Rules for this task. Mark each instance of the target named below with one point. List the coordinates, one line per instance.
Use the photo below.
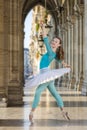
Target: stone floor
(47, 115)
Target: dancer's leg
(37, 95)
(36, 100)
(55, 94)
(58, 98)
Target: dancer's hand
(66, 65)
(44, 32)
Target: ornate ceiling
(52, 5)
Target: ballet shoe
(65, 115)
(31, 118)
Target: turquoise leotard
(47, 57)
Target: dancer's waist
(44, 70)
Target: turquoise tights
(53, 91)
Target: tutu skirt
(45, 75)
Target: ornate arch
(50, 5)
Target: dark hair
(59, 51)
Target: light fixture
(40, 38)
(40, 44)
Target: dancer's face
(55, 43)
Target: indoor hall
(64, 18)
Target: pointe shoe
(65, 115)
(31, 118)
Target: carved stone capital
(73, 19)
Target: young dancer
(46, 77)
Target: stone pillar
(71, 83)
(75, 54)
(80, 53)
(73, 77)
(3, 53)
(68, 46)
(15, 85)
(84, 86)
(67, 54)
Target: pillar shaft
(15, 85)
(84, 87)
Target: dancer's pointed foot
(65, 115)
(31, 118)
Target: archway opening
(27, 40)
(33, 43)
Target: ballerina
(45, 79)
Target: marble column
(4, 29)
(15, 85)
(84, 86)
(66, 47)
(71, 83)
(80, 53)
(74, 53)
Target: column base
(3, 102)
(15, 93)
(15, 103)
(81, 83)
(73, 82)
(84, 88)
